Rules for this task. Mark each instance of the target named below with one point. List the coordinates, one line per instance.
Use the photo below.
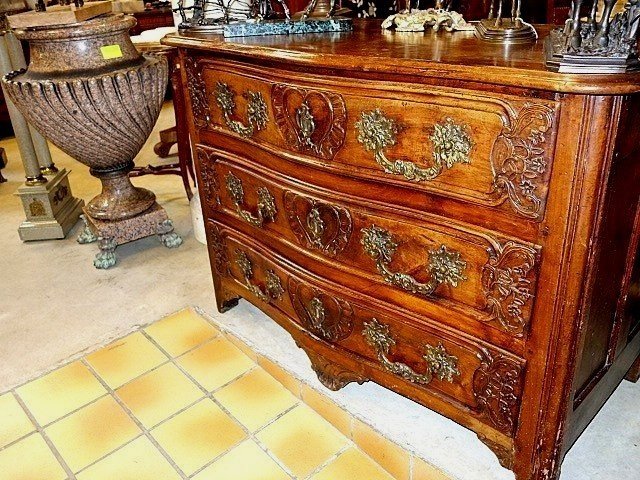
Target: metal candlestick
(500, 29)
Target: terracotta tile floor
(175, 400)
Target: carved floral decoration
(497, 386)
(518, 160)
(197, 92)
(208, 178)
(508, 281)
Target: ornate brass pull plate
(451, 144)
(444, 266)
(439, 363)
(273, 285)
(266, 203)
(256, 110)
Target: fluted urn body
(90, 92)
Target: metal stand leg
(106, 257)
(168, 237)
(86, 235)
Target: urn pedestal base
(50, 208)
(110, 234)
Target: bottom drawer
(401, 353)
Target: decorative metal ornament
(609, 45)
(323, 314)
(318, 225)
(439, 363)
(452, 144)
(445, 267)
(256, 110)
(498, 28)
(266, 203)
(273, 286)
(415, 20)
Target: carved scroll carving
(310, 121)
(332, 376)
(508, 282)
(197, 92)
(217, 249)
(518, 160)
(497, 386)
(209, 180)
(318, 225)
(324, 315)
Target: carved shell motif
(318, 225)
(310, 121)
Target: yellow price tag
(111, 51)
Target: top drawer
(495, 151)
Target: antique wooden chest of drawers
(437, 215)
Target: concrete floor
(54, 305)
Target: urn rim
(103, 24)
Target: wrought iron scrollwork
(445, 267)
(266, 203)
(451, 144)
(256, 110)
(439, 363)
(273, 286)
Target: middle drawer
(424, 264)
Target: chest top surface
(368, 50)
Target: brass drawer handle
(451, 144)
(439, 363)
(273, 285)
(266, 203)
(444, 266)
(256, 110)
